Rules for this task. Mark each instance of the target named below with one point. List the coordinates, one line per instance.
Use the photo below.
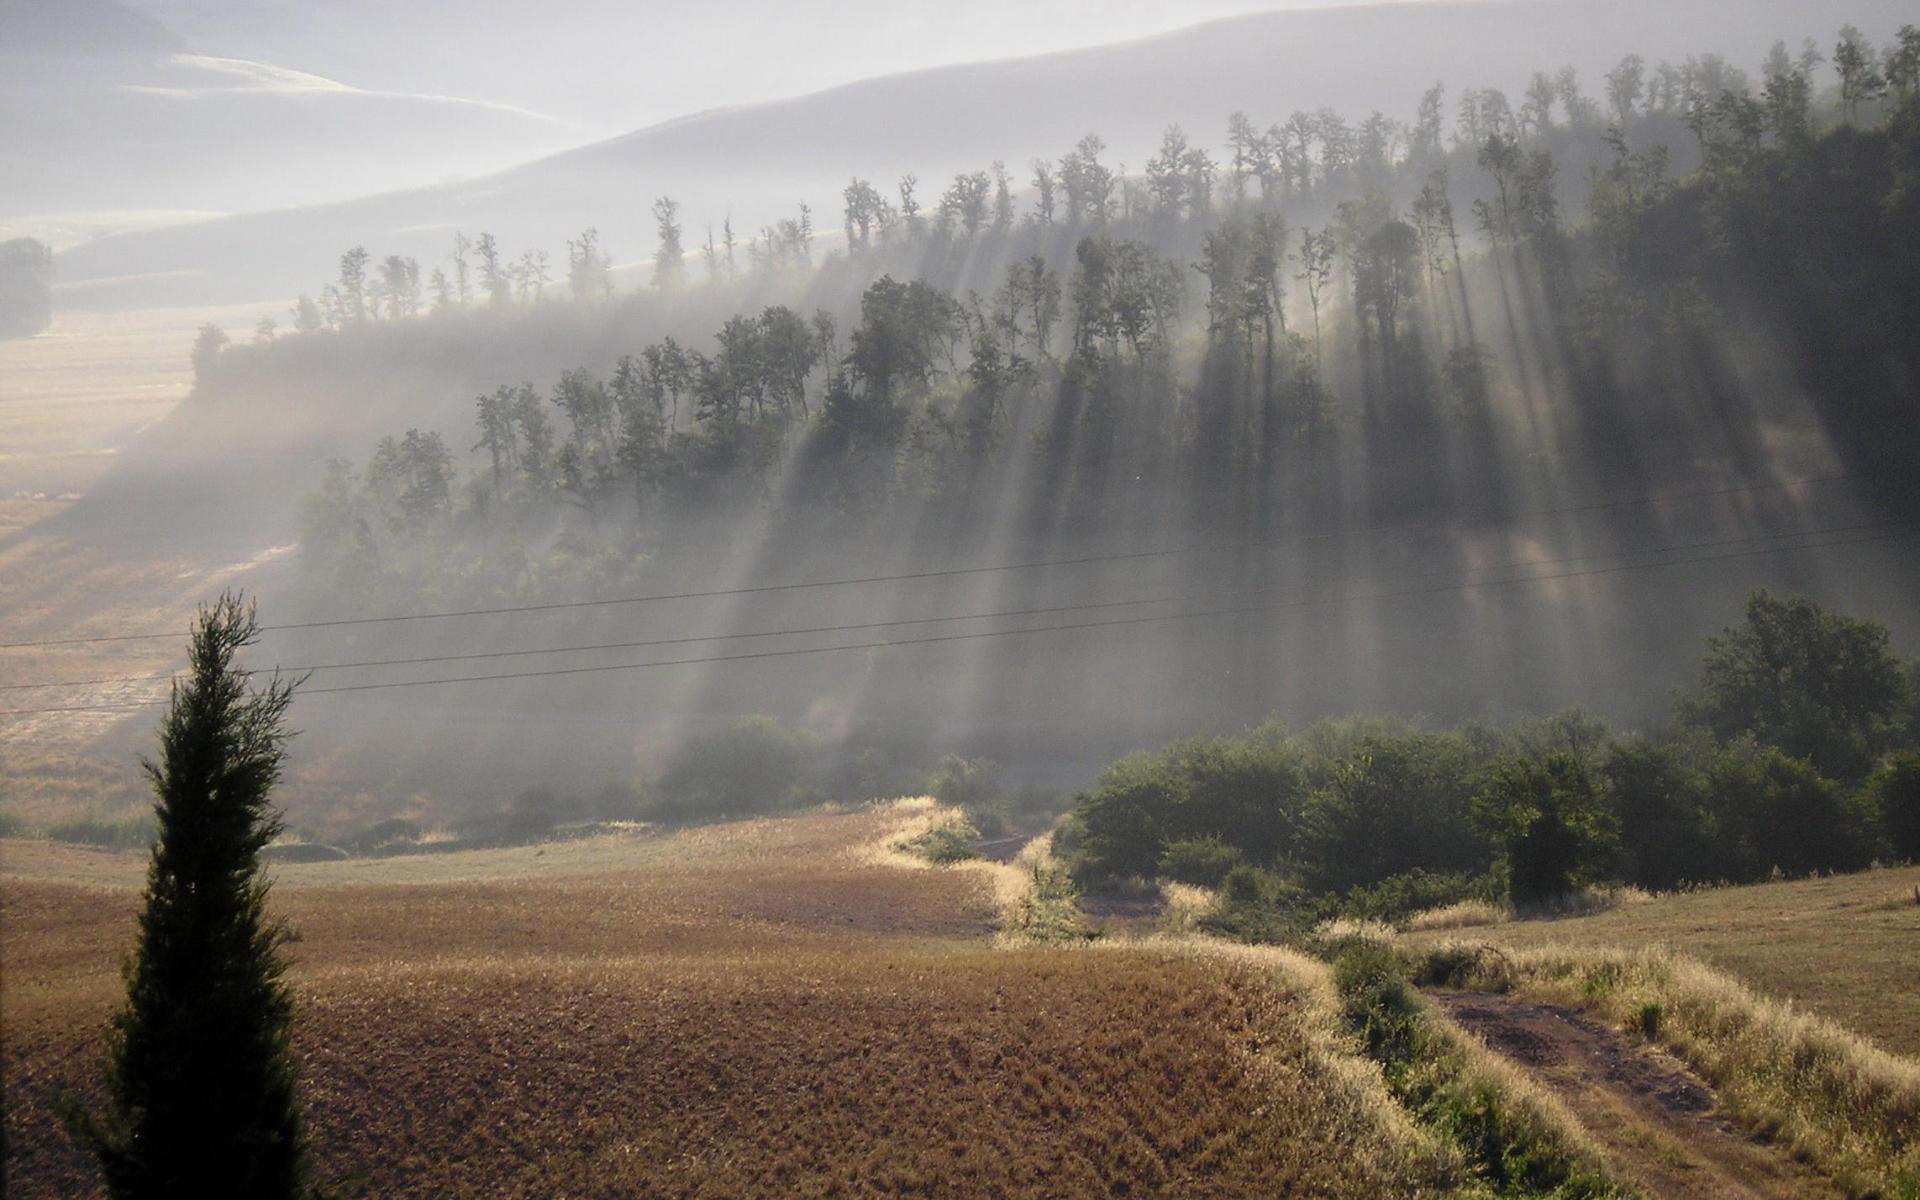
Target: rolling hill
(757, 162)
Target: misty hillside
(107, 109)
(757, 162)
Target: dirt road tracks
(1657, 1121)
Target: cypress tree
(200, 1073)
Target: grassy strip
(1828, 1095)
(1515, 1139)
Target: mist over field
(1284, 482)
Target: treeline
(1236, 377)
(1796, 752)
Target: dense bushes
(1374, 819)
(753, 766)
(1895, 794)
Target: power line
(993, 633)
(952, 572)
(421, 660)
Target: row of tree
(1798, 751)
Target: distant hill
(757, 162)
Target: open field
(754, 1009)
(1841, 947)
(70, 400)
(71, 397)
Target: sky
(603, 67)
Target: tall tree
(493, 277)
(201, 1080)
(669, 260)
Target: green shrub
(131, 833)
(1894, 792)
(1243, 885)
(383, 835)
(954, 842)
(969, 785)
(1203, 862)
(1392, 805)
(1781, 813)
(1549, 819)
(11, 826)
(1399, 896)
(752, 766)
(620, 801)
(1667, 832)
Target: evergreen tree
(200, 1074)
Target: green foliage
(752, 766)
(1399, 896)
(1549, 819)
(1895, 793)
(1243, 885)
(1393, 804)
(969, 784)
(1510, 1147)
(200, 1076)
(956, 841)
(383, 836)
(1668, 834)
(1780, 813)
(1818, 685)
(11, 826)
(1204, 862)
(1244, 792)
(131, 833)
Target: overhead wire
(954, 572)
(601, 668)
(1047, 610)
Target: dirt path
(1657, 1121)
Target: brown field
(70, 399)
(746, 1010)
(1843, 947)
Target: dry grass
(1344, 928)
(1834, 947)
(1828, 1094)
(1467, 914)
(750, 1010)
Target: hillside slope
(756, 162)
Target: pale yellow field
(70, 398)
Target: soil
(1659, 1124)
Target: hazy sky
(606, 66)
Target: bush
(969, 785)
(621, 801)
(132, 833)
(1667, 833)
(1203, 862)
(1549, 819)
(383, 835)
(1243, 885)
(1781, 813)
(1243, 792)
(1400, 896)
(1393, 804)
(11, 826)
(950, 843)
(752, 766)
(1894, 792)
